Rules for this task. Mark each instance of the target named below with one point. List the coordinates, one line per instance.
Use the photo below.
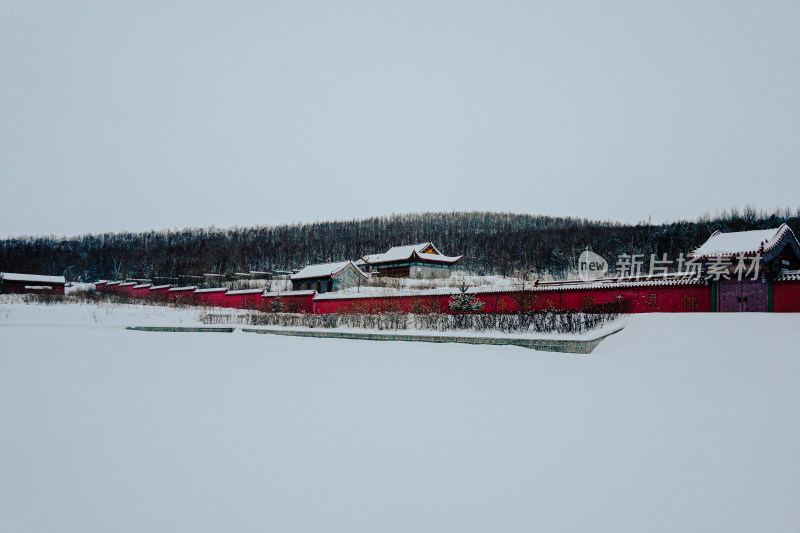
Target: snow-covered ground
(13, 311)
(678, 423)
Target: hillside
(492, 243)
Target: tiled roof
(324, 270)
(33, 278)
(405, 253)
(742, 242)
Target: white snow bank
(118, 315)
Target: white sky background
(250, 113)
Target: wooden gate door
(742, 296)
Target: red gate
(742, 295)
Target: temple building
(328, 277)
(419, 261)
(743, 266)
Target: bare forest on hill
(492, 243)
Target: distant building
(419, 261)
(762, 256)
(11, 283)
(327, 277)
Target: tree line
(492, 243)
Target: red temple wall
(786, 297)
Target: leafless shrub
(383, 321)
(536, 322)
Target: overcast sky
(187, 114)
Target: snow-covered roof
(113, 283)
(142, 286)
(212, 289)
(159, 287)
(179, 289)
(35, 278)
(370, 258)
(288, 293)
(743, 242)
(245, 291)
(788, 275)
(425, 251)
(324, 270)
(127, 283)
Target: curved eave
(784, 236)
(415, 257)
(436, 259)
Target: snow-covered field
(91, 315)
(678, 423)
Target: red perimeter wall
(18, 287)
(112, 288)
(211, 299)
(183, 297)
(141, 292)
(243, 301)
(786, 297)
(159, 294)
(665, 299)
(302, 303)
(384, 304)
(127, 290)
(669, 299)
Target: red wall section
(142, 292)
(244, 301)
(159, 294)
(111, 287)
(668, 299)
(665, 299)
(303, 303)
(183, 297)
(786, 297)
(211, 299)
(127, 290)
(384, 304)
(18, 287)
